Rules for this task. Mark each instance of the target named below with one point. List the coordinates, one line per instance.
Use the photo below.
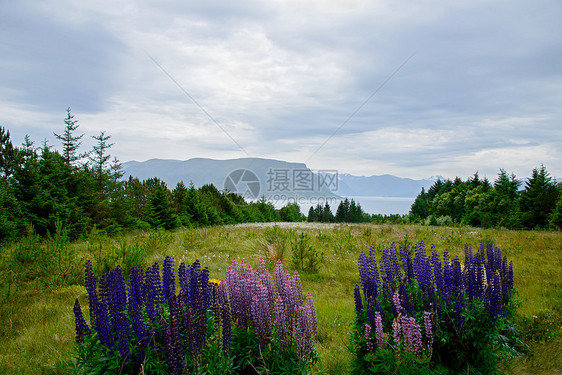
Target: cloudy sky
(413, 89)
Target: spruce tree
(70, 142)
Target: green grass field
(40, 281)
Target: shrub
(433, 315)
(249, 322)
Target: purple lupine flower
(422, 272)
(495, 297)
(438, 273)
(368, 274)
(405, 299)
(396, 329)
(151, 291)
(370, 346)
(82, 328)
(381, 337)
(267, 280)
(168, 279)
(412, 336)
(406, 257)
(358, 300)
(391, 269)
(102, 321)
(90, 283)
(134, 306)
(428, 331)
(297, 287)
(304, 331)
(457, 284)
(396, 303)
(448, 277)
(174, 351)
(118, 298)
(312, 315)
(280, 323)
(261, 316)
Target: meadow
(40, 279)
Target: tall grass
(37, 295)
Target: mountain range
(257, 177)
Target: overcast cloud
(480, 87)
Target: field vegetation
(42, 277)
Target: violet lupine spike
(405, 299)
(267, 280)
(396, 307)
(358, 300)
(280, 280)
(91, 287)
(495, 297)
(151, 296)
(304, 331)
(448, 278)
(412, 336)
(134, 305)
(280, 323)
(313, 317)
(396, 330)
(82, 328)
(379, 333)
(296, 280)
(261, 316)
(428, 331)
(118, 298)
(457, 276)
(168, 278)
(438, 279)
(422, 272)
(102, 321)
(370, 346)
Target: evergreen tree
(100, 159)
(420, 208)
(327, 216)
(8, 154)
(342, 211)
(556, 215)
(538, 199)
(70, 142)
(160, 213)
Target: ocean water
(370, 205)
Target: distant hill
(270, 178)
(381, 186)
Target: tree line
(41, 188)
(505, 203)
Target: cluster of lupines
(260, 301)
(147, 312)
(145, 317)
(403, 295)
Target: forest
(476, 202)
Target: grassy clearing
(37, 293)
